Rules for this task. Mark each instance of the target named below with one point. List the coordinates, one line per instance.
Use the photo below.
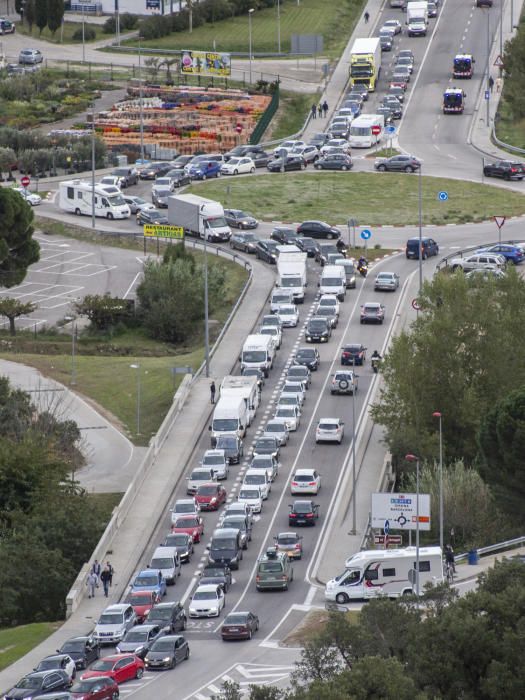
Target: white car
(287, 146)
(238, 166)
(288, 400)
(207, 601)
(278, 429)
(344, 381)
(480, 260)
(288, 315)
(267, 462)
(274, 331)
(280, 296)
(31, 197)
(58, 661)
(259, 478)
(392, 24)
(330, 430)
(200, 475)
(163, 183)
(329, 300)
(113, 624)
(111, 180)
(386, 281)
(137, 204)
(251, 496)
(184, 506)
(237, 508)
(335, 143)
(291, 415)
(305, 481)
(294, 389)
(218, 462)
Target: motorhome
(367, 130)
(245, 388)
(76, 196)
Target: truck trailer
(365, 62)
(198, 216)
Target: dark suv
(318, 229)
(318, 330)
(128, 176)
(170, 615)
(428, 247)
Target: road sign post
(352, 223)
(499, 221)
(25, 181)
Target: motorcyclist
(363, 262)
(376, 356)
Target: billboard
(397, 511)
(205, 63)
(163, 231)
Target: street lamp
(206, 329)
(250, 13)
(413, 458)
(488, 69)
(83, 37)
(420, 212)
(137, 367)
(437, 414)
(93, 166)
(141, 105)
(279, 26)
(354, 499)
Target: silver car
(30, 57)
(278, 429)
(139, 639)
(386, 281)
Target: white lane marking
(128, 290)
(311, 593)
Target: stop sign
(376, 129)
(25, 181)
(238, 128)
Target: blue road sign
(443, 196)
(386, 527)
(487, 94)
(366, 234)
(390, 129)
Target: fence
(266, 117)
(506, 146)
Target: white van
(167, 560)
(230, 417)
(385, 572)
(258, 477)
(245, 388)
(366, 130)
(258, 351)
(76, 196)
(333, 281)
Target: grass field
(334, 20)
(509, 130)
(371, 198)
(17, 641)
(291, 115)
(65, 37)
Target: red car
(99, 688)
(399, 82)
(210, 496)
(191, 525)
(142, 602)
(119, 667)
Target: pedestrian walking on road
(491, 83)
(367, 17)
(320, 110)
(313, 110)
(96, 569)
(212, 392)
(91, 583)
(325, 108)
(498, 84)
(111, 572)
(104, 577)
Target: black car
(128, 176)
(318, 229)
(242, 151)
(221, 572)
(336, 161)
(309, 357)
(237, 218)
(150, 172)
(361, 89)
(303, 513)
(318, 330)
(232, 446)
(386, 43)
(307, 245)
(151, 216)
(247, 242)
(267, 250)
(182, 542)
(181, 161)
(393, 105)
(284, 235)
(323, 251)
(40, 682)
(319, 139)
(291, 162)
(328, 313)
(299, 373)
(171, 615)
(167, 652)
(179, 177)
(353, 354)
(506, 169)
(398, 92)
(386, 112)
(267, 446)
(83, 650)
(260, 158)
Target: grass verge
(508, 129)
(312, 624)
(64, 36)
(291, 115)
(372, 198)
(17, 641)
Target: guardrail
(506, 146)
(467, 251)
(491, 548)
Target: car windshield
(302, 507)
(205, 595)
(110, 619)
(228, 443)
(162, 563)
(184, 507)
(286, 412)
(186, 523)
(325, 311)
(262, 461)
(46, 664)
(263, 443)
(165, 645)
(70, 647)
(160, 614)
(29, 682)
(299, 371)
(213, 571)
(213, 459)
(223, 543)
(254, 356)
(274, 428)
(146, 581)
(249, 494)
(136, 635)
(254, 479)
(217, 222)
(206, 490)
(317, 325)
(353, 348)
(236, 619)
(144, 599)
(236, 522)
(102, 665)
(384, 276)
(225, 424)
(83, 686)
(288, 401)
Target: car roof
(304, 470)
(163, 606)
(209, 587)
(329, 420)
(118, 607)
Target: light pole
(420, 216)
(501, 28)
(354, 499)
(279, 26)
(141, 105)
(413, 458)
(117, 21)
(206, 330)
(137, 367)
(437, 414)
(488, 68)
(93, 166)
(250, 13)
(73, 355)
(83, 37)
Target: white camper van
(385, 572)
(366, 130)
(245, 388)
(76, 196)
(230, 417)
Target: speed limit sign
(415, 305)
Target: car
(299, 373)
(207, 601)
(307, 245)
(401, 73)
(260, 158)
(238, 166)
(267, 461)
(211, 496)
(305, 481)
(7, 27)
(514, 253)
(327, 312)
(318, 330)
(405, 61)
(417, 28)
(323, 251)
(295, 389)
(287, 146)
(232, 446)
(309, 357)
(199, 475)
(386, 281)
(167, 652)
(151, 216)
(344, 381)
(432, 9)
(479, 260)
(318, 229)
(204, 169)
(190, 524)
(274, 570)
(136, 204)
(243, 150)
(424, 246)
(330, 430)
(60, 661)
(154, 170)
(353, 354)
(239, 625)
(112, 181)
(284, 235)
(271, 321)
(98, 688)
(182, 542)
(405, 53)
(113, 623)
(288, 315)
(149, 580)
(30, 57)
(31, 198)
(393, 105)
(179, 177)
(280, 296)
(40, 683)
(336, 161)
(127, 176)
(386, 42)
(138, 640)
(160, 197)
(235, 522)
(254, 372)
(372, 312)
(290, 543)
(319, 139)
(484, 3)
(142, 602)
(486, 273)
(237, 218)
(252, 497)
(277, 429)
(398, 163)
(341, 144)
(220, 573)
(119, 667)
(387, 113)
(184, 506)
(303, 513)
(217, 461)
(394, 24)
(331, 301)
(83, 650)
(361, 89)
(268, 445)
(246, 242)
(291, 162)
(506, 169)
(266, 250)
(170, 617)
(309, 153)
(181, 161)
(290, 415)
(275, 331)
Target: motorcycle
(375, 364)
(363, 270)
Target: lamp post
(437, 414)
(413, 458)
(488, 68)
(206, 329)
(279, 26)
(141, 105)
(137, 367)
(83, 37)
(117, 21)
(420, 216)
(354, 499)
(250, 13)
(93, 166)
(74, 338)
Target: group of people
(99, 573)
(321, 109)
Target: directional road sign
(163, 231)
(487, 94)
(400, 509)
(390, 129)
(366, 234)
(442, 196)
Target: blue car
(510, 252)
(150, 580)
(204, 169)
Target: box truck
(230, 417)
(365, 62)
(417, 18)
(244, 387)
(76, 196)
(291, 267)
(198, 217)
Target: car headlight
(166, 659)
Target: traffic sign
(386, 527)
(366, 234)
(415, 305)
(376, 129)
(182, 370)
(390, 129)
(239, 128)
(25, 181)
(163, 231)
(499, 220)
(487, 94)
(442, 196)
(499, 61)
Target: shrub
(89, 34)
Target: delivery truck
(199, 217)
(230, 417)
(291, 267)
(417, 18)
(365, 62)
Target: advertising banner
(163, 231)
(205, 63)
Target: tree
(7, 160)
(502, 445)
(18, 250)
(40, 14)
(13, 309)
(29, 13)
(55, 14)
(103, 310)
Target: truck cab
(453, 101)
(463, 66)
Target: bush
(110, 26)
(89, 34)
(128, 21)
